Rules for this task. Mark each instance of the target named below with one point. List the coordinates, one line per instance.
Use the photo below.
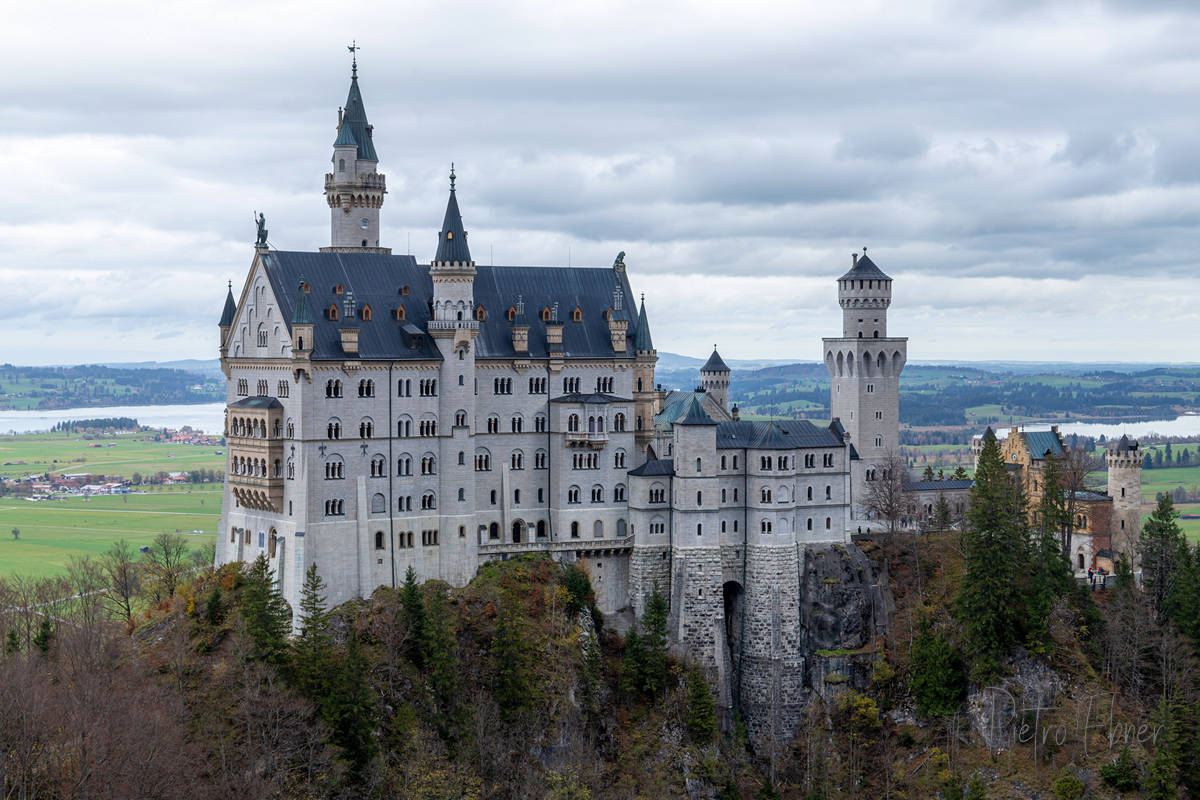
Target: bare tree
(166, 561)
(124, 579)
(1076, 466)
(885, 492)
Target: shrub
(1121, 774)
(1067, 787)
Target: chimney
(520, 330)
(853, 260)
(554, 331)
(733, 412)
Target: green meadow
(51, 531)
(35, 454)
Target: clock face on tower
(364, 223)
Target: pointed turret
(354, 190)
(642, 341)
(452, 239)
(696, 415)
(714, 378)
(227, 316)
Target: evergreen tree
(1162, 544)
(44, 635)
(960, 474)
(941, 514)
(1162, 774)
(654, 644)
(989, 602)
(1048, 573)
(976, 790)
(212, 608)
(349, 709)
(1121, 774)
(631, 667)
(935, 673)
(12, 644)
(439, 651)
(927, 475)
(265, 612)
(701, 708)
(312, 651)
(512, 658)
(412, 611)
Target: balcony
(257, 492)
(594, 440)
(453, 325)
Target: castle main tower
(1124, 462)
(864, 369)
(354, 190)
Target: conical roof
(641, 341)
(452, 239)
(714, 363)
(354, 128)
(864, 269)
(230, 309)
(696, 415)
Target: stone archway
(518, 529)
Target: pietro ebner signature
(1027, 723)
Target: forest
(94, 385)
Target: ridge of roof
(696, 415)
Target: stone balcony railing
(369, 181)
(560, 546)
(594, 440)
(453, 325)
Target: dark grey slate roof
(230, 309)
(642, 340)
(864, 269)
(257, 402)
(354, 122)
(696, 415)
(596, 397)
(376, 280)
(989, 433)
(934, 486)
(775, 435)
(1126, 445)
(714, 363)
(655, 467)
(452, 239)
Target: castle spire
(452, 239)
(354, 189)
(641, 340)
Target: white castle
(385, 414)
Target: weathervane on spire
(353, 48)
(452, 176)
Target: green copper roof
(230, 309)
(355, 125)
(303, 314)
(452, 239)
(345, 137)
(641, 341)
(696, 415)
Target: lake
(1186, 425)
(207, 417)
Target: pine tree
(212, 608)
(312, 651)
(976, 790)
(989, 602)
(927, 475)
(941, 514)
(701, 708)
(265, 613)
(935, 673)
(1121, 774)
(12, 644)
(512, 658)
(349, 709)
(44, 635)
(412, 611)
(1048, 572)
(654, 644)
(1162, 774)
(439, 651)
(632, 665)
(1162, 543)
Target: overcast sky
(1028, 173)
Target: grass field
(133, 452)
(54, 530)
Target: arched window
(494, 531)
(573, 423)
(574, 530)
(378, 540)
(598, 529)
(481, 313)
(341, 165)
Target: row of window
(766, 495)
(426, 387)
(765, 526)
(262, 388)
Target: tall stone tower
(864, 369)
(647, 401)
(714, 378)
(354, 190)
(1124, 462)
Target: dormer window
(306, 287)
(364, 313)
(577, 314)
(546, 314)
(449, 235)
(332, 312)
(404, 291)
(480, 313)
(339, 289)
(399, 314)
(512, 313)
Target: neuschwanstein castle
(385, 413)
